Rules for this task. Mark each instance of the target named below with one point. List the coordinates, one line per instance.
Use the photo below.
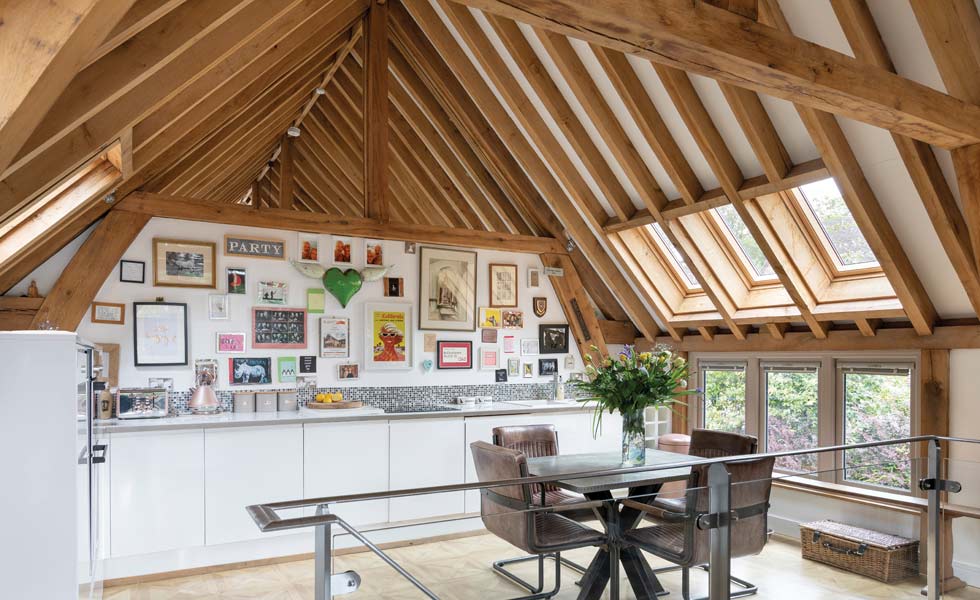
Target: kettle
(203, 399)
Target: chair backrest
(499, 508)
(751, 487)
(707, 443)
(532, 440)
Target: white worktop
(306, 415)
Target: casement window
(835, 226)
(792, 402)
(739, 240)
(675, 258)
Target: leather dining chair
(676, 537)
(535, 441)
(509, 513)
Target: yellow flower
(645, 356)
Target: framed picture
(307, 365)
(182, 263)
(503, 285)
(249, 371)
(229, 343)
(273, 292)
(454, 355)
(334, 337)
(316, 300)
(489, 358)
(159, 334)
(348, 372)
(547, 367)
(206, 372)
(166, 383)
(514, 367)
(533, 277)
(218, 307)
(374, 253)
(447, 289)
(236, 245)
(553, 339)
(491, 318)
(394, 287)
(278, 328)
(236, 280)
(132, 271)
(387, 335)
(308, 247)
(529, 347)
(510, 344)
(527, 370)
(500, 376)
(109, 313)
(410, 247)
(488, 336)
(569, 362)
(340, 247)
(512, 319)
(287, 369)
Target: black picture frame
(553, 338)
(142, 265)
(137, 309)
(500, 376)
(547, 367)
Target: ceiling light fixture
(320, 91)
(293, 132)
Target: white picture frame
(489, 358)
(219, 308)
(388, 336)
(308, 248)
(334, 337)
(530, 347)
(275, 293)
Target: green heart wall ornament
(342, 284)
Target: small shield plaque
(540, 306)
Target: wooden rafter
(33, 79)
(951, 228)
(714, 42)
(578, 311)
(861, 200)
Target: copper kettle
(203, 399)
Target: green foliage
(634, 381)
(724, 400)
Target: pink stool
(681, 444)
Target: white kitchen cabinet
(423, 453)
(157, 491)
(248, 465)
(348, 458)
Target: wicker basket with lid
(885, 557)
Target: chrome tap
(558, 390)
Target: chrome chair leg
(537, 592)
(748, 589)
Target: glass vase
(634, 438)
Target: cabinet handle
(100, 449)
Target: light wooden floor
(459, 570)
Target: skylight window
(751, 252)
(676, 257)
(837, 224)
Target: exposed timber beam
(716, 43)
(904, 338)
(190, 209)
(753, 187)
(862, 34)
(66, 304)
(836, 151)
(42, 47)
(578, 310)
(376, 112)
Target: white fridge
(54, 481)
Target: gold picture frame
(503, 286)
(184, 263)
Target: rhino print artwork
(246, 371)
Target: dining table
(642, 486)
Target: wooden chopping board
(334, 405)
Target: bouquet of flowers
(630, 383)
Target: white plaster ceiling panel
(724, 119)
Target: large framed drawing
(447, 289)
(387, 336)
(159, 334)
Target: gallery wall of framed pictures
(201, 291)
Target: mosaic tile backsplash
(391, 399)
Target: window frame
(728, 242)
(659, 241)
(721, 365)
(810, 223)
(785, 366)
(830, 403)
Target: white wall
(202, 331)
(964, 459)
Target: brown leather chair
(535, 441)
(508, 513)
(676, 537)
